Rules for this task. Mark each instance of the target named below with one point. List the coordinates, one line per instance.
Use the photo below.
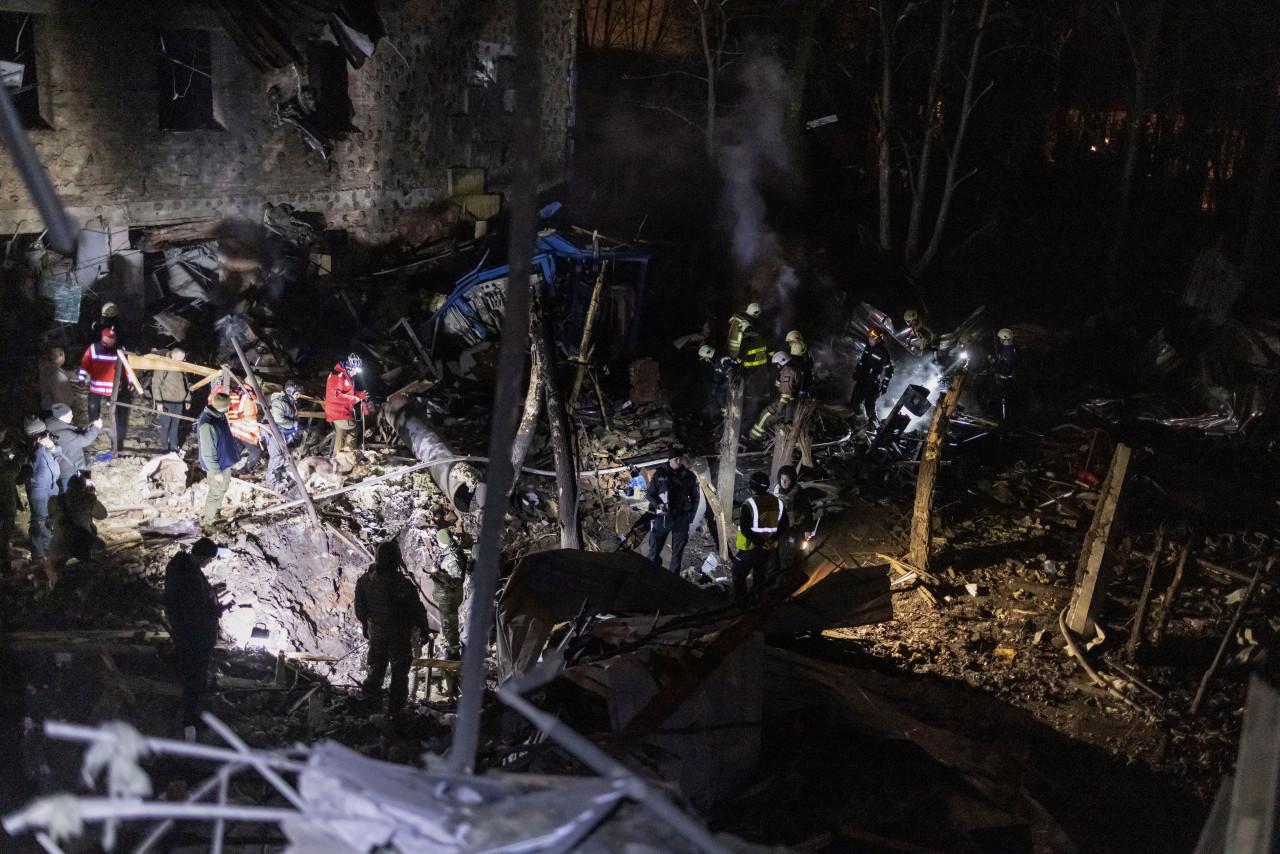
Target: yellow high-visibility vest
(763, 520)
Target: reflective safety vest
(98, 369)
(242, 416)
(742, 333)
(763, 521)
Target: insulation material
(192, 269)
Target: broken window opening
(184, 81)
(18, 67)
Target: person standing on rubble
(284, 409)
(673, 498)
(762, 522)
(723, 372)
(449, 581)
(192, 609)
(219, 453)
(798, 510)
(242, 417)
(98, 370)
(871, 375)
(10, 471)
(389, 609)
(42, 485)
(1003, 364)
(789, 384)
(71, 516)
(746, 344)
(55, 383)
(171, 391)
(344, 406)
(801, 358)
(71, 440)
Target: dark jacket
(218, 448)
(191, 606)
(45, 472)
(388, 606)
(681, 488)
(71, 441)
(284, 410)
(874, 363)
(799, 510)
(790, 382)
(71, 516)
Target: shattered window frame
(184, 80)
(19, 44)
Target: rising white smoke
(752, 152)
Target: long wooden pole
(532, 406)
(1170, 596)
(1231, 632)
(1091, 580)
(279, 436)
(726, 478)
(566, 477)
(922, 514)
(1135, 636)
(587, 328)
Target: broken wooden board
(1091, 581)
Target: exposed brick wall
(417, 107)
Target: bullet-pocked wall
(435, 94)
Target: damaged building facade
(374, 127)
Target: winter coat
(873, 364)
(789, 382)
(676, 488)
(191, 606)
(72, 442)
(284, 410)
(388, 606)
(71, 517)
(98, 368)
(45, 472)
(55, 386)
(218, 448)
(170, 387)
(340, 395)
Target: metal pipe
(63, 232)
(459, 481)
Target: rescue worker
(55, 383)
(71, 440)
(746, 344)
(762, 521)
(789, 390)
(219, 453)
(42, 485)
(723, 372)
(277, 476)
(284, 409)
(344, 406)
(1003, 363)
(171, 391)
(242, 417)
(449, 581)
(801, 358)
(798, 510)
(871, 375)
(10, 470)
(917, 336)
(71, 516)
(389, 609)
(98, 370)
(673, 497)
(193, 611)
(108, 318)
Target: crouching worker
(71, 516)
(389, 609)
(762, 522)
(193, 611)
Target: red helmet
(109, 336)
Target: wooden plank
(1170, 596)
(1091, 581)
(922, 514)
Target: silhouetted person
(193, 611)
(389, 609)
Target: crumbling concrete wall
(436, 94)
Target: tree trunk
(566, 476)
(1262, 183)
(726, 478)
(584, 349)
(950, 182)
(798, 73)
(1137, 121)
(532, 406)
(921, 188)
(922, 516)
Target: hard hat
(760, 481)
(780, 358)
(1005, 336)
(910, 316)
(799, 348)
(706, 351)
(110, 310)
(354, 363)
(291, 388)
(436, 302)
(443, 538)
(794, 337)
(753, 310)
(109, 336)
(873, 334)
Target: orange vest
(243, 416)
